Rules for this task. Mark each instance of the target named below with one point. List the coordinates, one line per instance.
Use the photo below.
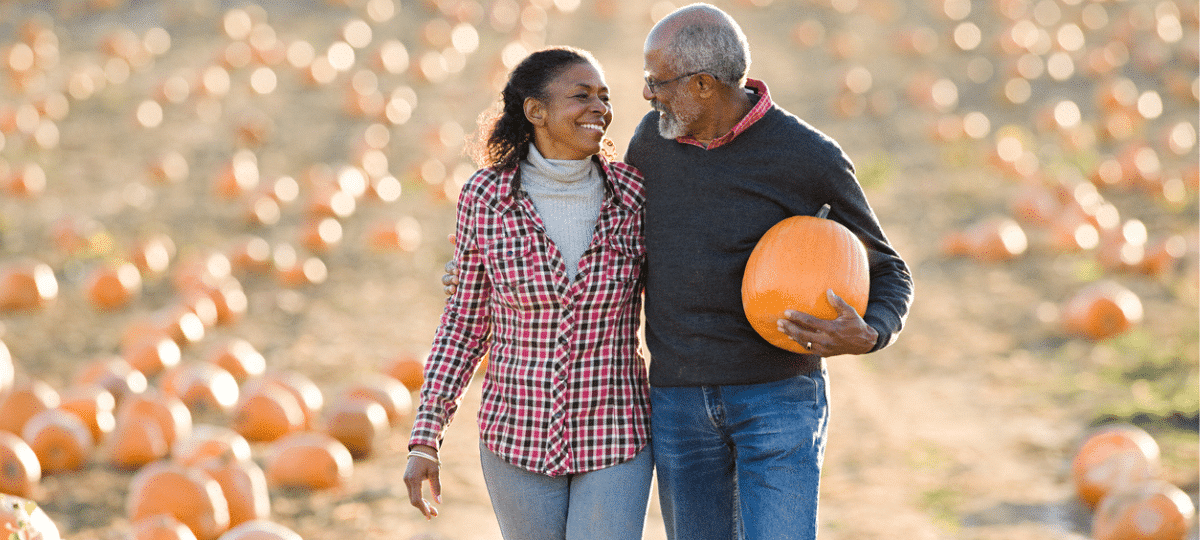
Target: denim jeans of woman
(741, 462)
(605, 504)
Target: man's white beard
(673, 125)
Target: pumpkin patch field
(223, 225)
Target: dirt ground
(962, 429)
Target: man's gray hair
(719, 50)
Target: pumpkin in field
(244, 485)
(357, 422)
(407, 369)
(160, 527)
(1101, 310)
(20, 470)
(1113, 456)
(61, 441)
(1153, 510)
(391, 394)
(792, 267)
(308, 460)
(267, 412)
(27, 285)
(209, 441)
(94, 405)
(173, 417)
(240, 358)
(260, 529)
(135, 442)
(188, 494)
(23, 401)
(23, 517)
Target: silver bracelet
(420, 454)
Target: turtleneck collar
(567, 171)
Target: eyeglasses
(654, 85)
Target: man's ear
(535, 112)
(706, 85)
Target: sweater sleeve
(891, 288)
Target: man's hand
(416, 473)
(450, 278)
(846, 334)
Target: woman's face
(570, 122)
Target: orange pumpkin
(260, 529)
(189, 495)
(135, 442)
(358, 423)
(160, 527)
(308, 460)
(169, 412)
(151, 356)
(407, 369)
(389, 393)
(204, 387)
(209, 441)
(1101, 310)
(27, 285)
(115, 374)
(1152, 510)
(111, 287)
(240, 358)
(25, 518)
(792, 267)
(267, 413)
(1111, 457)
(61, 441)
(20, 470)
(307, 393)
(94, 406)
(23, 401)
(244, 485)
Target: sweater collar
(616, 189)
(756, 113)
(566, 171)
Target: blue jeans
(741, 461)
(608, 503)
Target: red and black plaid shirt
(565, 389)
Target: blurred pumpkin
(135, 442)
(1113, 456)
(61, 441)
(307, 393)
(308, 460)
(27, 285)
(112, 286)
(388, 392)
(260, 529)
(244, 485)
(266, 413)
(1151, 510)
(169, 412)
(1102, 309)
(94, 406)
(160, 527)
(407, 369)
(239, 357)
(792, 267)
(20, 470)
(359, 423)
(7, 369)
(23, 401)
(188, 494)
(115, 374)
(209, 441)
(205, 388)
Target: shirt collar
(757, 112)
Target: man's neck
(729, 110)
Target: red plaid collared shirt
(756, 113)
(565, 389)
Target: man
(739, 425)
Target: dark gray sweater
(705, 211)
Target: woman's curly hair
(504, 133)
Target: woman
(550, 255)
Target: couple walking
(556, 244)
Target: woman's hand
(450, 278)
(419, 470)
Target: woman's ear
(535, 112)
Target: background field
(953, 111)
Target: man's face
(671, 95)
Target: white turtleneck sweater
(567, 194)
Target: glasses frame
(655, 86)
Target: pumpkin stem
(824, 211)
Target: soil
(964, 428)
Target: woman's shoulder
(626, 179)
